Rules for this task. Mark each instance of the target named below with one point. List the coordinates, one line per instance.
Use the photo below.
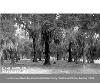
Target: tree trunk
(57, 56)
(76, 59)
(47, 56)
(12, 59)
(17, 57)
(2, 60)
(12, 56)
(40, 55)
(64, 58)
(70, 55)
(5, 54)
(88, 61)
(22, 56)
(84, 58)
(91, 60)
(34, 58)
(83, 53)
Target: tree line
(50, 35)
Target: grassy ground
(61, 67)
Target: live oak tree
(32, 23)
(69, 22)
(29, 24)
(46, 34)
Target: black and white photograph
(57, 45)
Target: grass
(61, 67)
